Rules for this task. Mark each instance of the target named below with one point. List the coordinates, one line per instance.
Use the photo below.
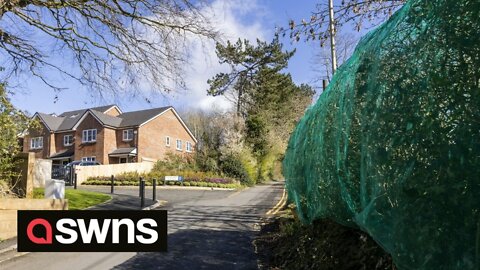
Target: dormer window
(128, 135)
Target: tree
(113, 44)
(359, 14)
(268, 102)
(12, 123)
(246, 61)
(344, 47)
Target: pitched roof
(63, 154)
(52, 122)
(82, 111)
(106, 119)
(69, 120)
(139, 117)
(124, 151)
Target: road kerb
(158, 203)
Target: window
(90, 159)
(179, 145)
(67, 140)
(128, 135)
(36, 143)
(89, 135)
(189, 147)
(167, 141)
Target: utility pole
(332, 36)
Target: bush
(232, 166)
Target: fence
(84, 172)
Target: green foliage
(12, 123)
(232, 166)
(268, 102)
(175, 162)
(77, 199)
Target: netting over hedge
(393, 145)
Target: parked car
(70, 166)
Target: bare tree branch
(115, 45)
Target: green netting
(393, 145)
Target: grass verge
(77, 199)
(286, 243)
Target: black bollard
(140, 187)
(142, 196)
(75, 181)
(154, 189)
(111, 184)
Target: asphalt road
(207, 230)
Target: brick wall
(121, 143)
(41, 131)
(151, 137)
(59, 146)
(110, 144)
(90, 149)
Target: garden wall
(9, 207)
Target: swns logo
(92, 231)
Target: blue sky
(246, 19)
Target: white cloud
(234, 19)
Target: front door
(123, 160)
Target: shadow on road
(200, 249)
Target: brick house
(109, 136)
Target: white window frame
(89, 135)
(36, 143)
(67, 142)
(167, 141)
(179, 142)
(128, 135)
(89, 159)
(188, 147)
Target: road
(207, 230)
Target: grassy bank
(77, 199)
(286, 243)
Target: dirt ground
(286, 243)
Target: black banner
(92, 231)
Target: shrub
(232, 166)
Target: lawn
(77, 199)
